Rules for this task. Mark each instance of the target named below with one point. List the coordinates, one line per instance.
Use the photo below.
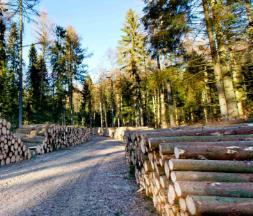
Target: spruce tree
(87, 102)
(75, 69)
(58, 76)
(2, 64)
(33, 83)
(132, 55)
(11, 105)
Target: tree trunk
(20, 99)
(101, 110)
(223, 56)
(210, 176)
(154, 142)
(226, 189)
(215, 151)
(216, 62)
(163, 110)
(71, 101)
(211, 166)
(217, 205)
(237, 79)
(170, 105)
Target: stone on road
(91, 179)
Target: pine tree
(132, 55)
(43, 90)
(33, 84)
(58, 64)
(2, 46)
(3, 59)
(11, 103)
(87, 112)
(75, 69)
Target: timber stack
(42, 139)
(12, 149)
(195, 171)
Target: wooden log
(154, 142)
(215, 151)
(211, 166)
(182, 204)
(164, 182)
(171, 194)
(167, 169)
(216, 205)
(168, 148)
(210, 176)
(226, 189)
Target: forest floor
(88, 180)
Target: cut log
(222, 206)
(171, 194)
(215, 151)
(210, 176)
(167, 169)
(164, 182)
(154, 142)
(242, 190)
(182, 204)
(168, 148)
(211, 166)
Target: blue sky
(98, 22)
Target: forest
(179, 62)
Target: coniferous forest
(179, 62)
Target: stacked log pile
(195, 171)
(118, 133)
(12, 150)
(42, 139)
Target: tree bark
(226, 189)
(170, 105)
(154, 142)
(211, 166)
(214, 150)
(216, 62)
(210, 176)
(217, 205)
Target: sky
(98, 22)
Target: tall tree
(11, 105)
(75, 69)
(87, 112)
(24, 9)
(132, 55)
(58, 76)
(3, 59)
(33, 87)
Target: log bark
(210, 176)
(216, 205)
(154, 142)
(211, 166)
(226, 189)
(215, 151)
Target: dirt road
(91, 179)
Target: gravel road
(91, 179)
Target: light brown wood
(211, 165)
(215, 151)
(213, 205)
(229, 189)
(210, 176)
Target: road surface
(91, 179)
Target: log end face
(178, 189)
(171, 195)
(191, 205)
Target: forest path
(91, 179)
